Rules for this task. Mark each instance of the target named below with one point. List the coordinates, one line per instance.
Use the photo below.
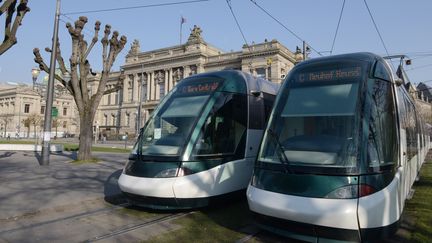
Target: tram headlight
(351, 191)
(173, 172)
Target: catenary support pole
(50, 92)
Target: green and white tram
(200, 143)
(340, 153)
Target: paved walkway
(66, 202)
(26, 187)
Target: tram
(201, 142)
(340, 153)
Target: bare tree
(11, 23)
(80, 71)
(35, 120)
(27, 124)
(55, 124)
(6, 119)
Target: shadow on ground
(112, 192)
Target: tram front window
(224, 130)
(316, 123)
(168, 130)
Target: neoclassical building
(152, 74)
(22, 109)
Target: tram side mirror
(398, 82)
(255, 93)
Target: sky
(405, 28)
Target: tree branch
(5, 6)
(11, 29)
(117, 86)
(94, 40)
(42, 66)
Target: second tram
(201, 142)
(341, 151)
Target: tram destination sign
(328, 75)
(198, 87)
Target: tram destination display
(309, 75)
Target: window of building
(144, 92)
(64, 124)
(127, 123)
(42, 111)
(113, 118)
(116, 97)
(106, 120)
(161, 90)
(64, 111)
(261, 72)
(26, 108)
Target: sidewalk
(27, 187)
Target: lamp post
(35, 73)
(50, 91)
(142, 98)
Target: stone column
(125, 89)
(156, 82)
(152, 87)
(148, 87)
(166, 81)
(170, 79)
(200, 68)
(135, 87)
(186, 71)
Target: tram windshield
(316, 121)
(169, 128)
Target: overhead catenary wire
(238, 25)
(136, 7)
(419, 67)
(337, 28)
(280, 23)
(377, 30)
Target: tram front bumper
(315, 217)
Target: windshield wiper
(282, 156)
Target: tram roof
(365, 56)
(252, 83)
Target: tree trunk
(85, 137)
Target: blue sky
(406, 28)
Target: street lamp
(45, 79)
(35, 73)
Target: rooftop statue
(195, 34)
(135, 47)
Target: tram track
(129, 228)
(101, 223)
(57, 220)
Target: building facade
(22, 110)
(152, 74)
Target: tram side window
(382, 125)
(408, 122)
(268, 104)
(411, 130)
(224, 131)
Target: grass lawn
(17, 141)
(67, 146)
(223, 224)
(74, 147)
(419, 208)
